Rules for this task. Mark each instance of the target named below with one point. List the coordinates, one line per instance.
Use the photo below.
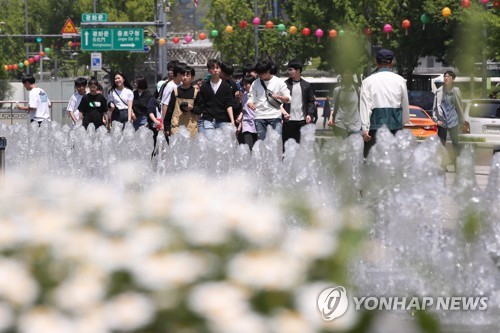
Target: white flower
(83, 290)
(78, 244)
(219, 301)
(147, 238)
(44, 320)
(129, 311)
(309, 243)
(6, 316)
(8, 233)
(273, 270)
(244, 323)
(170, 270)
(258, 221)
(92, 321)
(290, 322)
(16, 283)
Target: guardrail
(10, 114)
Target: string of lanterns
(28, 62)
(332, 33)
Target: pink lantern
(37, 57)
(387, 29)
(318, 33)
(256, 21)
(188, 39)
(484, 2)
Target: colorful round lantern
(21, 65)
(496, 4)
(42, 53)
(425, 19)
(243, 24)
(214, 33)
(37, 57)
(406, 25)
(269, 24)
(332, 33)
(341, 33)
(318, 33)
(176, 40)
(446, 12)
(484, 2)
(387, 29)
(15, 66)
(306, 31)
(188, 39)
(70, 44)
(26, 63)
(202, 35)
(162, 41)
(465, 3)
(229, 29)
(9, 67)
(5, 67)
(293, 30)
(368, 31)
(148, 41)
(281, 27)
(256, 21)
(47, 50)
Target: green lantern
(281, 27)
(149, 41)
(21, 65)
(341, 33)
(47, 50)
(425, 19)
(214, 33)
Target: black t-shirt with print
(93, 108)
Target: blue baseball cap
(385, 56)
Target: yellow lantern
(446, 12)
(161, 41)
(26, 63)
(293, 30)
(229, 29)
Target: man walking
(384, 100)
(39, 103)
(301, 109)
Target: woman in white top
(120, 99)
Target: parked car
(423, 99)
(421, 124)
(482, 121)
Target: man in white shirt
(266, 95)
(74, 101)
(39, 103)
(171, 85)
(384, 100)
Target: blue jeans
(209, 125)
(261, 126)
(140, 121)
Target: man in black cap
(384, 100)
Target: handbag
(269, 96)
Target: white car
(482, 121)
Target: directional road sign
(117, 39)
(94, 17)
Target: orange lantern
(332, 33)
(293, 30)
(42, 53)
(269, 24)
(406, 25)
(202, 36)
(161, 41)
(15, 66)
(446, 12)
(229, 29)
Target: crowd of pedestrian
(252, 101)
